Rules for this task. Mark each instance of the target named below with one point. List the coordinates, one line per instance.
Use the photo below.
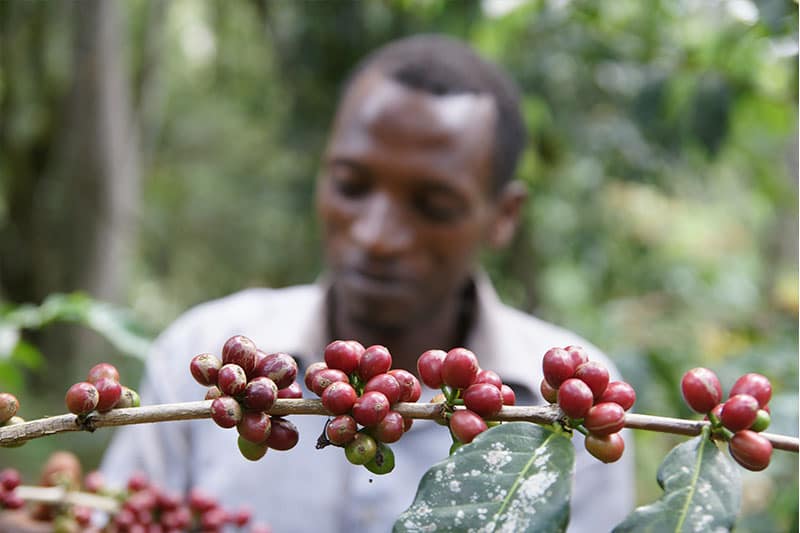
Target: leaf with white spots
(516, 477)
(702, 490)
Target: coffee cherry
(459, 368)
(383, 461)
(81, 398)
(490, 377)
(279, 367)
(284, 434)
(429, 368)
(370, 408)
(604, 418)
(762, 421)
(108, 394)
(231, 379)
(242, 516)
(701, 389)
(94, 482)
(137, 482)
(751, 450)
(293, 391)
(606, 448)
(10, 479)
(128, 398)
(385, 384)
(343, 355)
(739, 412)
(390, 428)
(82, 515)
(311, 371)
(213, 519)
(575, 398)
(12, 501)
(484, 399)
(260, 394)
(200, 501)
(102, 370)
(255, 426)
(339, 397)
(410, 390)
(549, 394)
(240, 350)
(361, 449)
(323, 379)
(620, 393)
(557, 366)
(226, 412)
(466, 425)
(755, 385)
(8, 406)
(374, 361)
(204, 369)
(509, 397)
(213, 393)
(578, 354)
(595, 375)
(341, 430)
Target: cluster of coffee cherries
(739, 419)
(244, 385)
(9, 481)
(359, 388)
(463, 382)
(594, 405)
(9, 405)
(101, 392)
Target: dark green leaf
(514, 477)
(27, 355)
(702, 489)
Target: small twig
(59, 495)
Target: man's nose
(382, 228)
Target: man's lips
(371, 283)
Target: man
(416, 180)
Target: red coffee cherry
(375, 360)
(701, 389)
(390, 428)
(604, 418)
(279, 367)
(231, 379)
(260, 394)
(606, 448)
(578, 353)
(102, 370)
(509, 398)
(339, 397)
(240, 350)
(226, 411)
(311, 371)
(252, 451)
(557, 366)
(410, 389)
(284, 434)
(109, 392)
(466, 425)
(204, 369)
(429, 368)
(483, 399)
(94, 482)
(361, 449)
(10, 479)
(575, 398)
(751, 450)
(370, 408)
(459, 368)
(12, 501)
(739, 412)
(255, 426)
(323, 379)
(242, 516)
(341, 430)
(490, 377)
(81, 398)
(762, 421)
(8, 406)
(621, 393)
(386, 384)
(213, 393)
(549, 394)
(343, 355)
(755, 385)
(595, 375)
(293, 391)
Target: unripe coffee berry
(279, 367)
(252, 451)
(323, 379)
(410, 390)
(231, 379)
(226, 411)
(620, 393)
(604, 418)
(557, 366)
(701, 389)
(607, 448)
(102, 370)
(204, 369)
(339, 397)
(81, 398)
(370, 408)
(739, 412)
(343, 355)
(466, 425)
(385, 384)
(109, 392)
(751, 450)
(374, 361)
(509, 397)
(390, 428)
(429, 368)
(549, 394)
(755, 385)
(383, 461)
(483, 399)
(459, 369)
(8, 406)
(260, 394)
(762, 421)
(575, 398)
(284, 434)
(130, 398)
(595, 375)
(255, 426)
(361, 449)
(341, 430)
(240, 350)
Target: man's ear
(508, 208)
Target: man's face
(404, 200)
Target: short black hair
(442, 66)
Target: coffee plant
(512, 465)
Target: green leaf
(27, 355)
(702, 490)
(514, 477)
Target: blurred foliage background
(155, 154)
